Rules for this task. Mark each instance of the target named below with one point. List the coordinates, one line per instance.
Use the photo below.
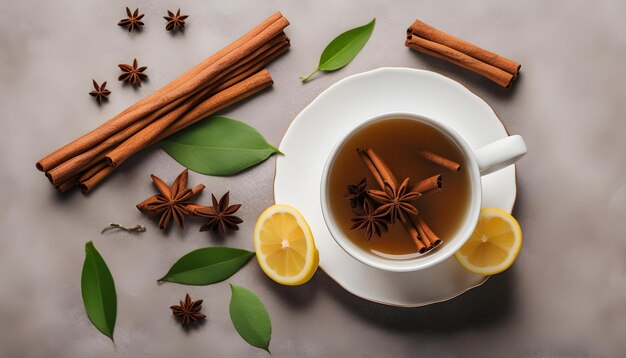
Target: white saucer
(320, 125)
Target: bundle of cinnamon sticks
(431, 41)
(230, 75)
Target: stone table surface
(565, 296)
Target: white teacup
(485, 160)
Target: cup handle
(500, 154)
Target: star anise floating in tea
(371, 219)
(133, 21)
(172, 201)
(100, 92)
(132, 74)
(357, 193)
(396, 202)
(175, 22)
(220, 215)
(188, 311)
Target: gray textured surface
(565, 296)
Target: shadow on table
(484, 306)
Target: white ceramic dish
(316, 130)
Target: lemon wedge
(284, 245)
(494, 245)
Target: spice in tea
(431, 194)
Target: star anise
(133, 20)
(188, 311)
(395, 202)
(100, 92)
(132, 74)
(172, 202)
(175, 21)
(220, 215)
(371, 219)
(357, 193)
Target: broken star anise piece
(357, 193)
(175, 21)
(220, 215)
(188, 311)
(370, 219)
(132, 74)
(396, 202)
(172, 202)
(133, 20)
(100, 92)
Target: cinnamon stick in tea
(207, 72)
(371, 167)
(425, 231)
(382, 167)
(422, 246)
(383, 174)
(429, 40)
(428, 185)
(439, 160)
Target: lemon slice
(284, 245)
(494, 245)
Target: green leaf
(250, 317)
(340, 51)
(98, 290)
(218, 146)
(207, 265)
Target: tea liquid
(397, 142)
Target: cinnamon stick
(256, 65)
(429, 40)
(428, 185)
(233, 94)
(204, 74)
(68, 184)
(383, 174)
(139, 140)
(87, 185)
(250, 65)
(371, 167)
(384, 170)
(412, 230)
(207, 76)
(92, 171)
(425, 231)
(256, 83)
(439, 160)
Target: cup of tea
(394, 154)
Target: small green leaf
(250, 317)
(207, 265)
(340, 51)
(98, 291)
(218, 146)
